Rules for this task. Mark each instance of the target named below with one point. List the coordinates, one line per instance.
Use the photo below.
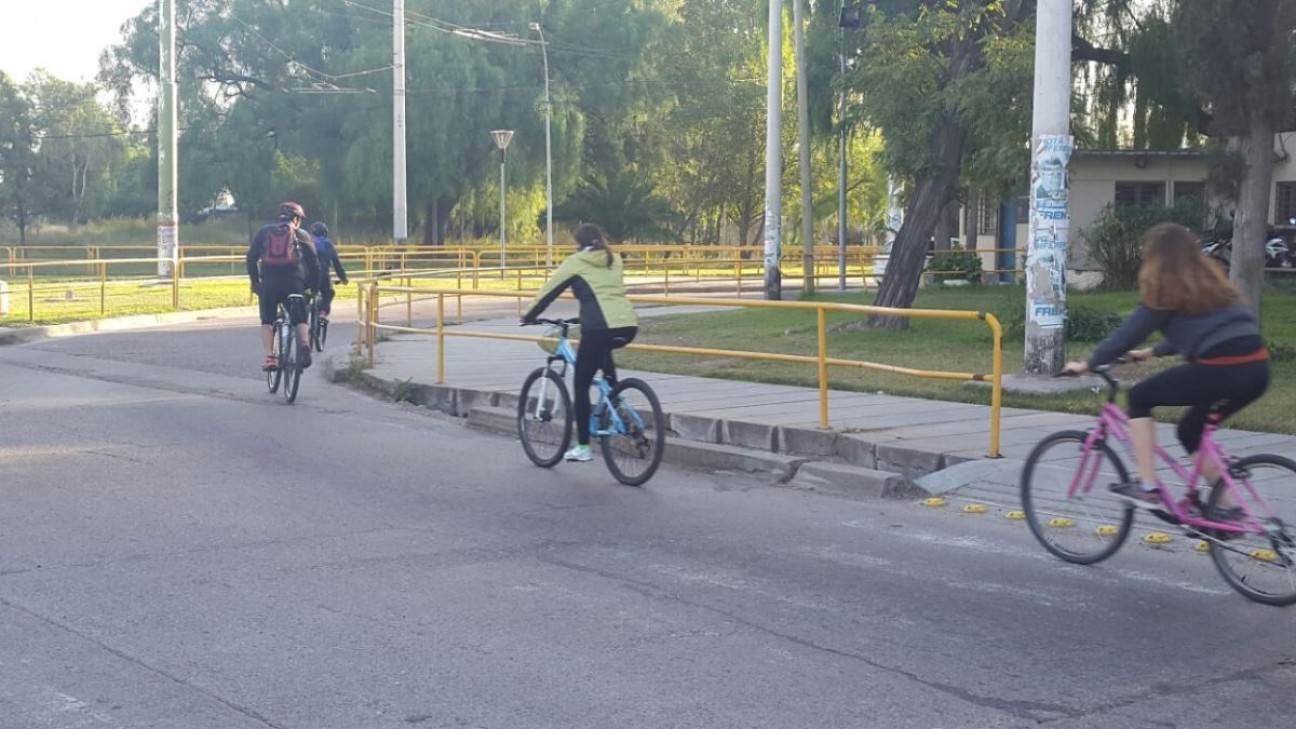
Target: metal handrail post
(823, 367)
(440, 335)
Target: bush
(1115, 238)
(955, 264)
(1083, 323)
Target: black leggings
(594, 354)
(1227, 388)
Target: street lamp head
(535, 26)
(502, 138)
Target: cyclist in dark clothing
(280, 273)
(328, 259)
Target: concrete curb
(838, 464)
(22, 335)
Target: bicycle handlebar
(556, 322)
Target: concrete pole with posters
(168, 217)
(400, 202)
(774, 155)
(803, 137)
(1050, 219)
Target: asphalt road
(180, 549)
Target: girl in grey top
(1188, 300)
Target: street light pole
(400, 208)
(544, 53)
(502, 138)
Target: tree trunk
(926, 206)
(1252, 220)
(436, 214)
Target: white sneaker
(579, 453)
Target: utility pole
(803, 135)
(1050, 219)
(400, 205)
(544, 54)
(774, 155)
(168, 217)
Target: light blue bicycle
(627, 420)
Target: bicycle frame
(566, 354)
(1113, 423)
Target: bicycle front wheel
(1261, 562)
(1068, 505)
(292, 369)
(636, 436)
(544, 417)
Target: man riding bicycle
(280, 261)
(327, 254)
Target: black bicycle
(285, 350)
(318, 324)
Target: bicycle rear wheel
(634, 450)
(292, 368)
(1084, 524)
(1261, 564)
(544, 417)
(274, 376)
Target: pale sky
(64, 37)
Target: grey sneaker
(1133, 491)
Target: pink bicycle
(1248, 520)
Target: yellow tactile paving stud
(934, 501)
(1157, 538)
(1108, 530)
(974, 509)
(1061, 522)
(1015, 515)
(1201, 546)
(1264, 555)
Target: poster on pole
(1050, 224)
(166, 248)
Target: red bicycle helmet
(291, 209)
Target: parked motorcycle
(1280, 249)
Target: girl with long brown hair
(1186, 298)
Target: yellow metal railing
(369, 324)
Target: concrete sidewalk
(878, 445)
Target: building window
(1140, 193)
(1023, 209)
(1284, 201)
(987, 215)
(1184, 190)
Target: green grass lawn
(61, 302)
(936, 345)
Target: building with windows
(1099, 178)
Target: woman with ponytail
(607, 319)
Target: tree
(624, 206)
(79, 143)
(17, 157)
(922, 77)
(1237, 54)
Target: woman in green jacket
(607, 320)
